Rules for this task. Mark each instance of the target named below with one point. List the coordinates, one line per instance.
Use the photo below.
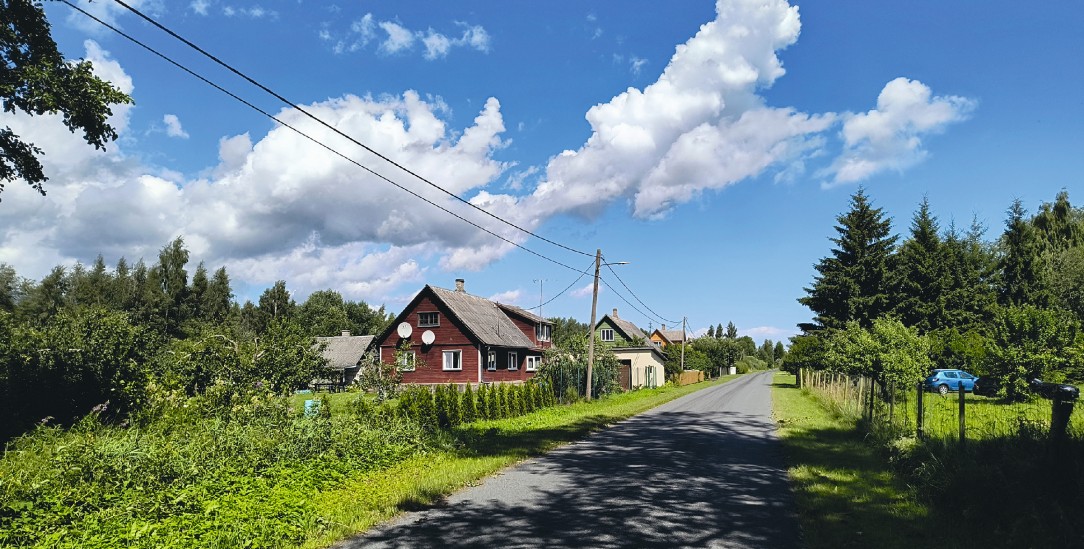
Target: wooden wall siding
(528, 328)
(449, 336)
(502, 374)
(619, 338)
(657, 337)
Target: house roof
(673, 336)
(485, 319)
(523, 313)
(344, 352)
(628, 328)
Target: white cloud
(510, 297)
(760, 333)
(108, 12)
(399, 37)
(890, 136)
(173, 126)
(200, 6)
(636, 64)
(586, 291)
(251, 12)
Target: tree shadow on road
(664, 479)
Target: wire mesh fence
(911, 410)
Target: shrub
(468, 410)
(482, 402)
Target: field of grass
(846, 491)
(252, 471)
(1003, 488)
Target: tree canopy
(35, 80)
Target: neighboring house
(663, 338)
(343, 354)
(641, 362)
(614, 331)
(455, 337)
(641, 367)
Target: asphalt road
(705, 470)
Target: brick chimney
(615, 313)
(460, 285)
(663, 329)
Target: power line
(309, 137)
(562, 292)
(657, 315)
(302, 110)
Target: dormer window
(428, 320)
(542, 331)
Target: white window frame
(533, 363)
(458, 361)
(542, 331)
(491, 361)
(513, 361)
(407, 362)
(607, 332)
(423, 324)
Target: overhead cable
(309, 137)
(320, 121)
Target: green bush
(468, 408)
(482, 402)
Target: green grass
(1007, 486)
(484, 448)
(339, 401)
(252, 471)
(846, 492)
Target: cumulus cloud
(200, 6)
(761, 333)
(173, 126)
(890, 136)
(510, 297)
(109, 13)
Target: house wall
(502, 374)
(647, 369)
(528, 328)
(450, 336)
(619, 339)
(429, 359)
(656, 338)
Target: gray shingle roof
(675, 336)
(484, 319)
(344, 352)
(523, 312)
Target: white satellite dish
(428, 337)
(404, 330)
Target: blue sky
(709, 145)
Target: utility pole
(684, 321)
(594, 306)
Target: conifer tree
(1020, 265)
(850, 284)
(711, 331)
(920, 274)
(731, 331)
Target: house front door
(624, 375)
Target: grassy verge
(477, 450)
(847, 494)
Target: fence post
(872, 391)
(1059, 418)
(921, 410)
(892, 405)
(963, 427)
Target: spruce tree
(920, 274)
(731, 331)
(968, 292)
(851, 284)
(711, 331)
(1020, 264)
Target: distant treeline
(82, 336)
(946, 297)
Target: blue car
(944, 380)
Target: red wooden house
(455, 337)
